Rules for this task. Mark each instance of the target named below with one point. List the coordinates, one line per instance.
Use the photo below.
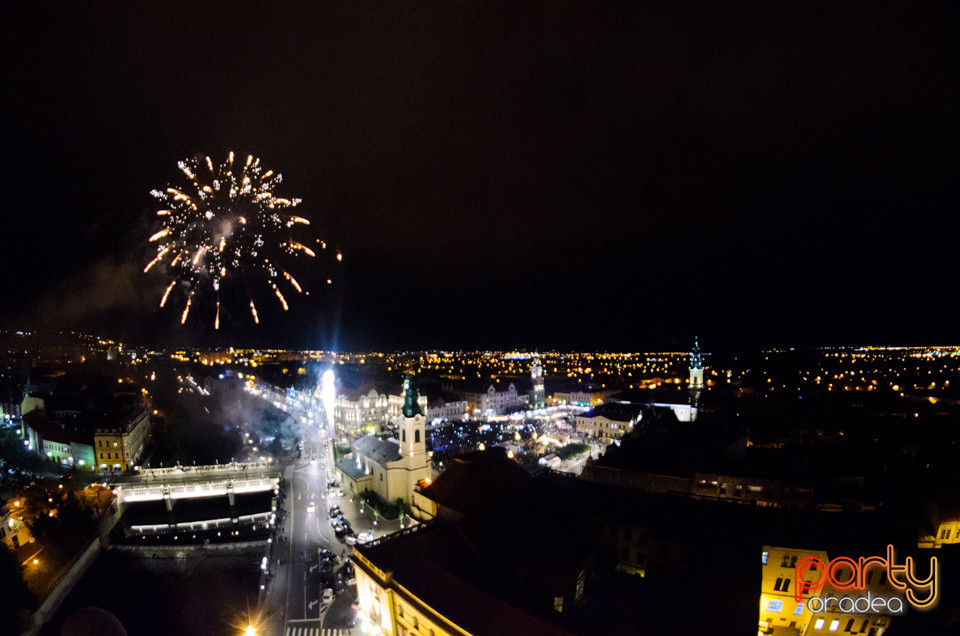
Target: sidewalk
(271, 609)
(363, 522)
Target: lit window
(834, 625)
(775, 605)
(818, 624)
(764, 558)
(799, 609)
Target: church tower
(413, 442)
(696, 374)
(696, 366)
(538, 396)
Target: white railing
(134, 492)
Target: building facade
(493, 402)
(119, 447)
(390, 467)
(538, 397)
(438, 409)
(362, 409)
(608, 421)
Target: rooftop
(382, 451)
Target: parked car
(351, 539)
(327, 597)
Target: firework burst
(226, 225)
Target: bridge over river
(187, 482)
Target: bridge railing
(176, 471)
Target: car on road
(327, 597)
(311, 507)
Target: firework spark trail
(186, 310)
(167, 293)
(293, 281)
(226, 224)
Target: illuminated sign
(921, 593)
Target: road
(293, 604)
(308, 526)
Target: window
(775, 605)
(763, 558)
(799, 610)
(782, 584)
(849, 625)
(818, 624)
(403, 434)
(834, 625)
(416, 436)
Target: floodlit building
(120, 447)
(390, 467)
(395, 405)
(778, 606)
(490, 401)
(580, 396)
(609, 421)
(940, 524)
(828, 609)
(538, 398)
(445, 410)
(67, 447)
(365, 408)
(13, 531)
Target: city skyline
(607, 178)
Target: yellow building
(779, 610)
(390, 467)
(405, 588)
(824, 610)
(120, 447)
(942, 525)
(609, 421)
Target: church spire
(411, 406)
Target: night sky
(617, 176)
